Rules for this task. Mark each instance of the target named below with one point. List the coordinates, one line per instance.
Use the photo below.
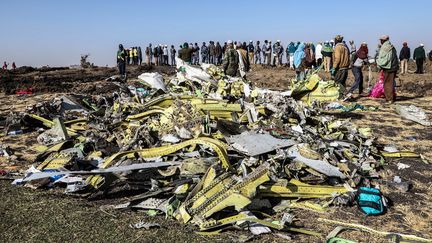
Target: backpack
(370, 201)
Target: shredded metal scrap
(204, 149)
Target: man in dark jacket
(231, 60)
(404, 56)
(212, 49)
(218, 53)
(121, 60)
(186, 53)
(204, 53)
(419, 57)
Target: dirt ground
(50, 216)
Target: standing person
(121, 61)
(327, 52)
(299, 60)
(204, 53)
(131, 56)
(4, 66)
(251, 50)
(264, 51)
(218, 53)
(186, 53)
(291, 49)
(244, 63)
(165, 55)
(231, 60)
(161, 54)
(156, 55)
(139, 55)
(389, 63)
(309, 58)
(341, 61)
(353, 50)
(13, 66)
(419, 57)
(269, 53)
(318, 54)
(404, 56)
(196, 54)
(149, 54)
(257, 53)
(430, 56)
(224, 48)
(212, 52)
(135, 55)
(173, 54)
(360, 59)
(280, 53)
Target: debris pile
(203, 148)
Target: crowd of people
(336, 57)
(5, 66)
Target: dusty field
(35, 216)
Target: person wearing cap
(388, 62)
(231, 60)
(419, 57)
(250, 50)
(404, 56)
(327, 53)
(360, 58)
(341, 61)
(257, 53)
(121, 61)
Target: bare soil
(49, 215)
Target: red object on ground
(25, 91)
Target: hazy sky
(56, 32)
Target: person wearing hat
(341, 61)
(388, 62)
(404, 56)
(231, 60)
(419, 57)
